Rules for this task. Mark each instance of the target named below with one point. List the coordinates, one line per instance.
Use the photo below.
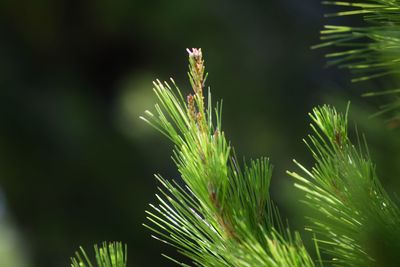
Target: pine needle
(223, 215)
(370, 51)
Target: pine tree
(356, 222)
(371, 50)
(112, 254)
(219, 213)
(223, 215)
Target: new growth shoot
(222, 215)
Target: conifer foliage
(222, 215)
(219, 211)
(113, 254)
(356, 222)
(369, 49)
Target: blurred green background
(76, 163)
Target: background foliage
(76, 163)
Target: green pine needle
(353, 213)
(113, 254)
(222, 215)
(369, 51)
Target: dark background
(76, 163)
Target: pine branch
(108, 255)
(355, 220)
(370, 51)
(223, 215)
